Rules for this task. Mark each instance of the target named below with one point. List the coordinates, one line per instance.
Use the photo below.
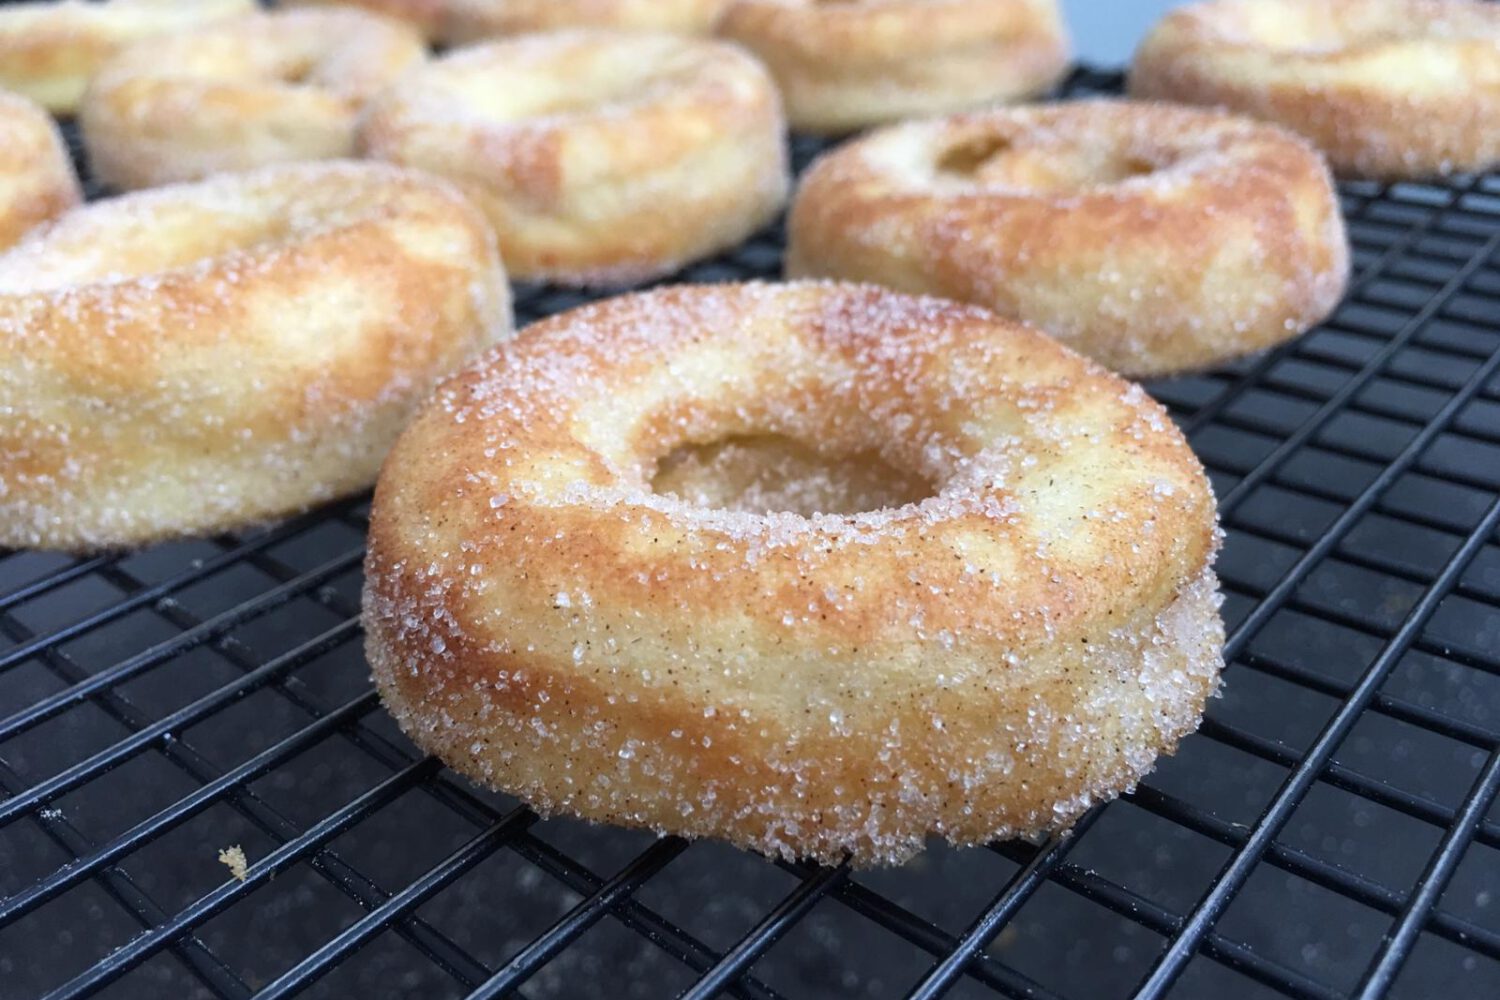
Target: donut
(1154, 239)
(37, 181)
(266, 88)
(467, 21)
(849, 64)
(600, 158)
(951, 577)
(202, 357)
(50, 50)
(1387, 89)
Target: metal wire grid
(157, 706)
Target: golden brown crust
(266, 88)
(468, 21)
(1153, 238)
(1385, 88)
(986, 662)
(599, 157)
(206, 356)
(50, 50)
(843, 66)
(37, 181)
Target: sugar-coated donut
(468, 21)
(1153, 238)
(201, 357)
(853, 63)
(599, 157)
(1005, 613)
(1386, 88)
(50, 50)
(37, 180)
(265, 88)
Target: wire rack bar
(1342, 881)
(145, 596)
(205, 965)
(51, 581)
(1279, 595)
(579, 919)
(669, 938)
(760, 939)
(1419, 911)
(91, 767)
(1206, 913)
(1031, 876)
(164, 933)
(1377, 363)
(330, 866)
(1160, 920)
(1341, 776)
(320, 962)
(182, 810)
(933, 940)
(205, 632)
(1385, 704)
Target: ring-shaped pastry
(980, 600)
(50, 49)
(202, 357)
(600, 158)
(37, 181)
(1153, 238)
(1385, 88)
(267, 88)
(845, 65)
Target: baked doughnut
(852, 63)
(201, 357)
(265, 88)
(1386, 88)
(473, 20)
(1153, 238)
(600, 158)
(1004, 614)
(50, 50)
(36, 177)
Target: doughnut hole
(774, 473)
(990, 160)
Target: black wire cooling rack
(1330, 832)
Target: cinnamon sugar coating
(985, 660)
(273, 87)
(601, 158)
(1385, 88)
(202, 357)
(853, 63)
(1153, 238)
(50, 49)
(37, 181)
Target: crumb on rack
(234, 857)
